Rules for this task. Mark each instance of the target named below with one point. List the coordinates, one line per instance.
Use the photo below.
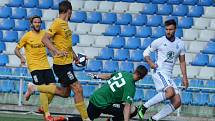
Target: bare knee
(67, 92)
(170, 92)
(176, 101)
(77, 89)
(64, 92)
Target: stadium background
(113, 34)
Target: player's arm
(75, 56)
(17, 52)
(127, 111)
(127, 98)
(148, 50)
(46, 41)
(19, 55)
(100, 76)
(183, 65)
(183, 70)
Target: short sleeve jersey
(62, 40)
(167, 53)
(35, 50)
(120, 88)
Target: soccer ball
(82, 59)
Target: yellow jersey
(62, 40)
(35, 50)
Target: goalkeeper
(116, 96)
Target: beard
(170, 37)
(37, 29)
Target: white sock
(156, 99)
(166, 110)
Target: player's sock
(44, 103)
(50, 97)
(166, 110)
(46, 88)
(156, 99)
(82, 109)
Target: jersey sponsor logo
(116, 82)
(68, 33)
(170, 57)
(70, 75)
(37, 46)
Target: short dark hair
(142, 71)
(170, 22)
(64, 6)
(33, 17)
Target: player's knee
(177, 103)
(134, 112)
(169, 92)
(78, 90)
(66, 95)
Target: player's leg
(169, 108)
(165, 91)
(79, 99)
(67, 78)
(44, 104)
(50, 79)
(93, 113)
(117, 111)
(38, 79)
(52, 89)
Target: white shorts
(162, 82)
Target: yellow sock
(47, 88)
(50, 97)
(82, 109)
(44, 103)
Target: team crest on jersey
(170, 56)
(129, 98)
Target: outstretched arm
(100, 76)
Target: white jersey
(167, 53)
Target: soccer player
(168, 48)
(119, 89)
(64, 55)
(37, 61)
